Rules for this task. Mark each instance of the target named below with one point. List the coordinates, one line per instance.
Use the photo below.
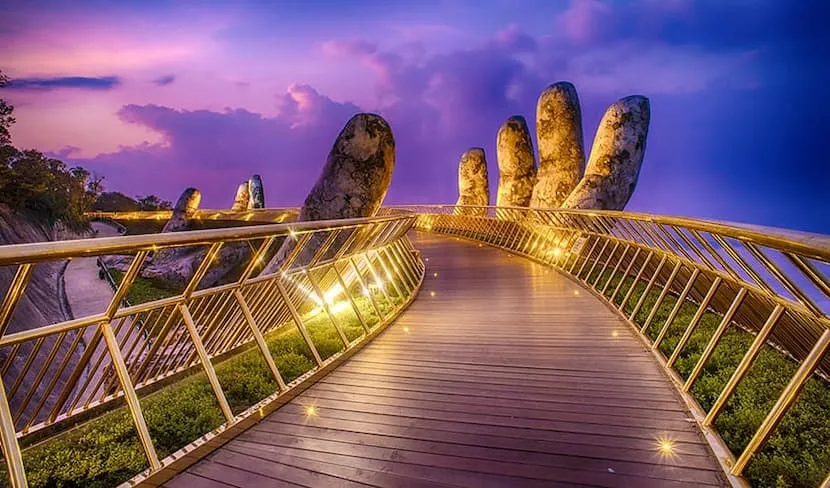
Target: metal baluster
(687, 334)
(744, 365)
(206, 363)
(784, 402)
(681, 299)
(715, 339)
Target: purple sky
(157, 96)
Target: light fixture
(432, 293)
(435, 275)
(310, 410)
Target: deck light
(576, 292)
(614, 333)
(557, 252)
(432, 293)
(406, 329)
(435, 275)
(310, 410)
(666, 447)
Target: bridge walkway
(501, 373)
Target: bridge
(445, 346)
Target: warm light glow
(310, 410)
(614, 333)
(576, 292)
(426, 259)
(557, 252)
(432, 293)
(435, 275)
(406, 329)
(666, 447)
(292, 233)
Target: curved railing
(76, 370)
(768, 282)
(261, 215)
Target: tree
(44, 187)
(6, 118)
(152, 202)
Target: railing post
(681, 299)
(647, 289)
(713, 341)
(744, 365)
(15, 291)
(784, 402)
(8, 439)
(206, 364)
(357, 311)
(260, 340)
(297, 320)
(687, 334)
(625, 275)
(133, 404)
(324, 304)
(661, 296)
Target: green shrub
(145, 290)
(798, 453)
(105, 451)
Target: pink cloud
(582, 20)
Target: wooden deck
(510, 375)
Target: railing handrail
(807, 243)
(740, 275)
(54, 250)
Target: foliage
(105, 451)
(113, 201)
(152, 202)
(145, 290)
(41, 186)
(6, 118)
(45, 187)
(798, 452)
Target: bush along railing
(99, 400)
(737, 315)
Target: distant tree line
(50, 191)
(113, 201)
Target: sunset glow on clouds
(157, 96)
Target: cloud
(78, 82)
(165, 80)
(214, 150)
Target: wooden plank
(510, 375)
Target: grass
(105, 451)
(145, 290)
(798, 452)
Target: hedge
(105, 451)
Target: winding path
(501, 373)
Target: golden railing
(262, 215)
(79, 368)
(769, 282)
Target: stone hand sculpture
(473, 183)
(561, 153)
(243, 197)
(183, 212)
(257, 192)
(616, 157)
(517, 164)
(353, 183)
